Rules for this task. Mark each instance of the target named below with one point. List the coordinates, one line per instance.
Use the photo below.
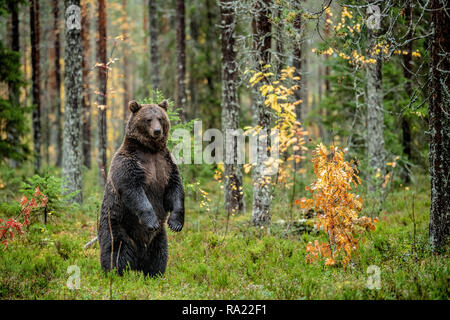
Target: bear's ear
(164, 105)
(134, 106)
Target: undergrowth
(208, 260)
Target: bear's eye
(149, 120)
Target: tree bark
(153, 31)
(57, 85)
(375, 114)
(35, 76)
(181, 57)
(327, 132)
(279, 41)
(230, 109)
(327, 68)
(407, 73)
(14, 89)
(125, 81)
(86, 101)
(262, 196)
(72, 145)
(299, 64)
(439, 122)
(102, 75)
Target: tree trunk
(327, 69)
(14, 90)
(439, 115)
(181, 57)
(319, 100)
(35, 76)
(230, 109)
(153, 31)
(57, 89)
(279, 41)
(262, 196)
(298, 64)
(375, 114)
(328, 134)
(125, 80)
(72, 145)
(86, 102)
(102, 75)
(407, 73)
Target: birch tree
(375, 112)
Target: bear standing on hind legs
(143, 186)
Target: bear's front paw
(175, 222)
(150, 222)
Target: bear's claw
(175, 225)
(151, 222)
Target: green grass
(205, 262)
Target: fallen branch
(90, 243)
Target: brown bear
(143, 186)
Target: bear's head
(149, 124)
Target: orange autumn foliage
(337, 205)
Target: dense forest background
(358, 90)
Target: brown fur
(144, 120)
(143, 186)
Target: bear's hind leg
(154, 261)
(124, 255)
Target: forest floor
(213, 259)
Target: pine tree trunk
(327, 69)
(262, 196)
(407, 73)
(57, 82)
(230, 109)
(14, 90)
(279, 41)
(35, 76)
(86, 101)
(328, 134)
(72, 145)
(125, 80)
(24, 30)
(298, 64)
(102, 75)
(375, 114)
(153, 31)
(439, 115)
(181, 57)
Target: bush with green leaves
(52, 187)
